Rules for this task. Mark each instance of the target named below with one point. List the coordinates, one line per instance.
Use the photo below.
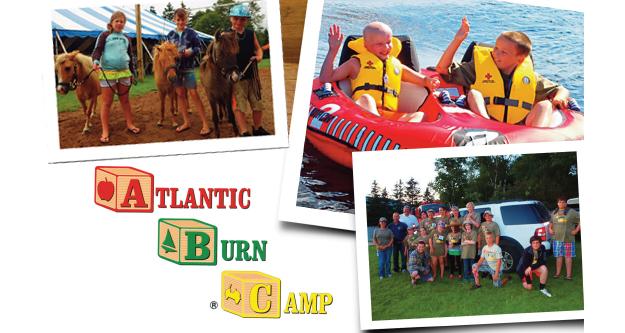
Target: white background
(68, 265)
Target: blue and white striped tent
(90, 22)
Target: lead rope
(247, 67)
(255, 79)
(78, 83)
(116, 92)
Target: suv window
(480, 211)
(544, 213)
(435, 206)
(524, 214)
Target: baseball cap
(240, 10)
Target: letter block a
(250, 294)
(124, 189)
(187, 241)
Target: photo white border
(48, 95)
(365, 165)
(289, 211)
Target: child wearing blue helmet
(247, 90)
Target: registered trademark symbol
(214, 305)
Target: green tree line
(217, 17)
(382, 203)
(543, 177)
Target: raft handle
(325, 91)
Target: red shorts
(534, 272)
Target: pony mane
(166, 44)
(165, 48)
(207, 59)
(227, 38)
(230, 38)
(83, 60)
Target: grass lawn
(396, 298)
(69, 103)
(263, 63)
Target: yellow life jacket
(381, 80)
(510, 109)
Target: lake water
(558, 52)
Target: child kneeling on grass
(419, 264)
(490, 262)
(534, 262)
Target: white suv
(518, 221)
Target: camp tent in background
(77, 29)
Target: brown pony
(218, 73)
(75, 71)
(165, 56)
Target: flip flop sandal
(104, 139)
(182, 129)
(557, 276)
(134, 130)
(207, 132)
(568, 278)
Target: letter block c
(250, 294)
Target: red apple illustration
(106, 190)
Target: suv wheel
(511, 255)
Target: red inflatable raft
(337, 126)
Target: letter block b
(250, 294)
(187, 241)
(124, 189)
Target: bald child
(375, 72)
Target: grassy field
(396, 298)
(69, 103)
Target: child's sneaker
(260, 131)
(573, 105)
(545, 292)
(462, 101)
(445, 97)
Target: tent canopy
(90, 22)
